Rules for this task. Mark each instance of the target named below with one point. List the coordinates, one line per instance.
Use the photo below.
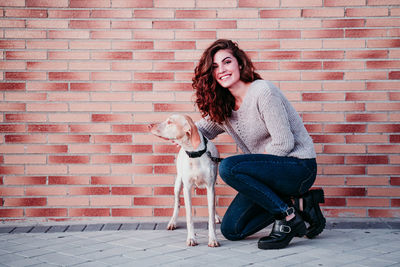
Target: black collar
(198, 154)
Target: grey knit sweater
(266, 122)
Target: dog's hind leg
(212, 237)
(177, 190)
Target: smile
(224, 77)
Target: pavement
(149, 244)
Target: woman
(278, 166)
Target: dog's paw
(191, 242)
(213, 243)
(171, 226)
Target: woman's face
(226, 68)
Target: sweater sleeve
(209, 128)
(275, 115)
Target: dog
(197, 165)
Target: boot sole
(299, 232)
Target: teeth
(224, 77)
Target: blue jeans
(265, 184)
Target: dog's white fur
(201, 171)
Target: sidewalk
(148, 244)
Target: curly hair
(212, 99)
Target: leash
(198, 154)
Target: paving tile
(60, 259)
(57, 228)
(75, 228)
(111, 226)
(129, 226)
(40, 229)
(147, 226)
(24, 229)
(6, 230)
(93, 227)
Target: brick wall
(81, 79)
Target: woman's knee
(229, 231)
(226, 167)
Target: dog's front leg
(187, 194)
(177, 190)
(212, 237)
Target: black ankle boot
(312, 213)
(283, 232)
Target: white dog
(197, 164)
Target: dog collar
(198, 154)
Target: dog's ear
(187, 128)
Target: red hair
(212, 99)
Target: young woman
(277, 167)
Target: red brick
(280, 13)
(113, 139)
(89, 24)
(69, 13)
(190, 14)
(26, 13)
(323, 54)
(127, 128)
(68, 180)
(153, 201)
(126, 13)
(366, 117)
(89, 212)
(132, 149)
(90, 3)
(68, 159)
(11, 191)
(8, 213)
(384, 213)
(395, 202)
(133, 191)
(12, 128)
(111, 180)
(47, 128)
(363, 33)
(337, 191)
(24, 180)
(343, 23)
(335, 202)
(25, 202)
(89, 191)
(133, 3)
(367, 202)
(367, 160)
(112, 159)
(46, 212)
(350, 170)
(384, 128)
(143, 159)
(328, 138)
(24, 139)
(46, 3)
(384, 169)
(132, 212)
(345, 128)
(68, 76)
(47, 149)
